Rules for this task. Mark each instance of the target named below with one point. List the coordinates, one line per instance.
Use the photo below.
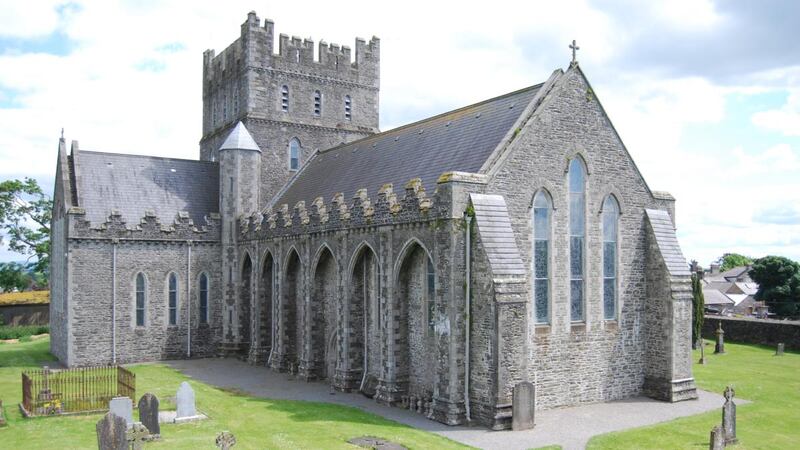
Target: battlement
(255, 48)
(149, 227)
(386, 209)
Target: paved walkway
(569, 427)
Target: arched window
(294, 154)
(285, 98)
(348, 107)
(610, 226)
(317, 103)
(203, 293)
(141, 289)
(577, 237)
(430, 294)
(541, 257)
(172, 299)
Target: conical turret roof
(240, 139)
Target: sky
(705, 94)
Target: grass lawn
(256, 423)
(771, 421)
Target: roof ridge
(147, 156)
(431, 118)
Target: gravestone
(122, 407)
(375, 443)
(729, 416)
(522, 405)
(137, 435)
(720, 347)
(702, 352)
(111, 433)
(185, 401)
(779, 351)
(717, 440)
(148, 413)
(2, 415)
(225, 440)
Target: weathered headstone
(111, 432)
(729, 416)
(137, 435)
(720, 347)
(123, 407)
(717, 440)
(522, 404)
(702, 352)
(2, 415)
(225, 440)
(185, 401)
(148, 413)
(779, 351)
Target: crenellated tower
(292, 103)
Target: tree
(25, 213)
(730, 260)
(778, 281)
(13, 276)
(698, 309)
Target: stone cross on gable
(574, 48)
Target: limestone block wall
(754, 331)
(602, 359)
(91, 306)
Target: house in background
(731, 292)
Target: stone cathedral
(433, 266)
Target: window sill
(611, 324)
(542, 328)
(577, 327)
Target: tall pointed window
(577, 238)
(541, 257)
(610, 226)
(430, 278)
(294, 154)
(203, 293)
(317, 103)
(348, 107)
(141, 286)
(172, 299)
(285, 98)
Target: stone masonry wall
(603, 360)
(91, 308)
(754, 331)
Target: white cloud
(785, 119)
(435, 56)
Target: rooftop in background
(134, 184)
(460, 140)
(24, 298)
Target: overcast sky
(706, 95)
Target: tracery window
(141, 286)
(294, 154)
(577, 238)
(172, 299)
(610, 227)
(541, 257)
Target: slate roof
(497, 237)
(667, 242)
(715, 297)
(133, 184)
(460, 140)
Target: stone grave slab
(522, 405)
(148, 413)
(122, 407)
(111, 431)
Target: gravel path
(569, 427)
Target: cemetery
(170, 410)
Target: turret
(239, 169)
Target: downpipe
(467, 312)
